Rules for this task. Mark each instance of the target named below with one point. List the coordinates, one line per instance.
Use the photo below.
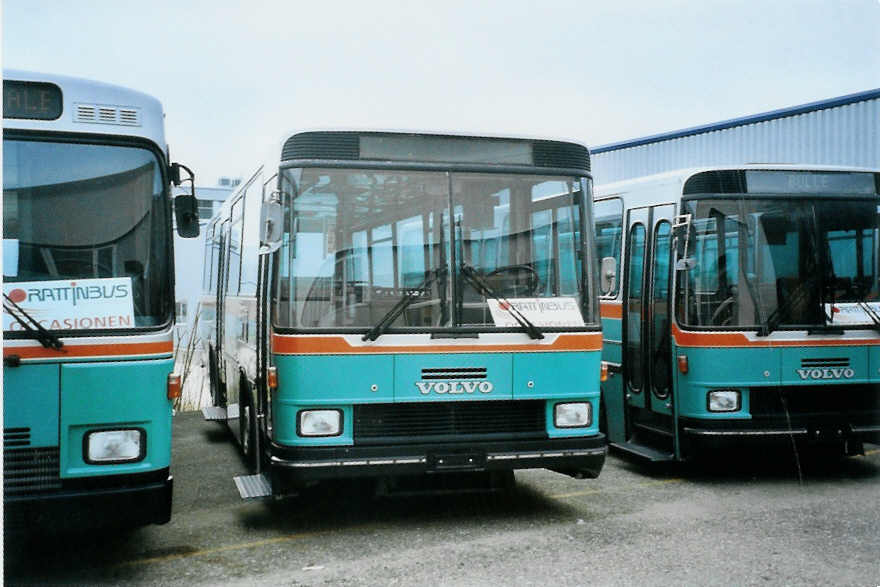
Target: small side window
(608, 221)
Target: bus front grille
(30, 471)
(814, 400)
(13, 437)
(413, 423)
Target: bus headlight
(575, 415)
(723, 400)
(320, 423)
(107, 447)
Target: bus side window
(608, 223)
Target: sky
(236, 77)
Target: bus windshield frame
(84, 251)
(409, 231)
(783, 261)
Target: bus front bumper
(133, 502)
(578, 457)
(815, 431)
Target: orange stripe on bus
(91, 350)
(337, 345)
(611, 310)
(738, 339)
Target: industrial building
(837, 131)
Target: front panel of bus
(776, 307)
(86, 261)
(388, 347)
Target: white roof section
(682, 175)
(92, 107)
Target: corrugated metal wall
(847, 134)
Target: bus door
(646, 338)
(220, 322)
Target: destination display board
(31, 100)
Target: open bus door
(647, 354)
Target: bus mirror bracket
(271, 218)
(186, 207)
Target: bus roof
(403, 145)
(91, 107)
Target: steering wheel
(514, 288)
(725, 306)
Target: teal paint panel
(335, 379)
(410, 387)
(724, 368)
(591, 430)
(556, 375)
(285, 425)
(612, 395)
(612, 335)
(874, 364)
(114, 395)
(30, 400)
(795, 373)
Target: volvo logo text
(827, 373)
(454, 387)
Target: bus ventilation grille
(558, 154)
(101, 114)
(30, 471)
(832, 362)
(13, 437)
(454, 373)
(412, 423)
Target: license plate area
(457, 461)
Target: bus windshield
(85, 225)
(357, 242)
(780, 262)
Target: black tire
(247, 429)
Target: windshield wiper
(411, 295)
(31, 326)
(486, 290)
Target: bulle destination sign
(31, 100)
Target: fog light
(320, 423)
(106, 447)
(572, 415)
(723, 400)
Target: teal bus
(395, 305)
(88, 303)
(740, 305)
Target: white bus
(88, 301)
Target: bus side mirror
(271, 226)
(186, 207)
(186, 213)
(608, 275)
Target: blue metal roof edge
(751, 119)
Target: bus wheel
(248, 433)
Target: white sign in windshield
(78, 304)
(851, 313)
(547, 312)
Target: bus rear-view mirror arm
(186, 207)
